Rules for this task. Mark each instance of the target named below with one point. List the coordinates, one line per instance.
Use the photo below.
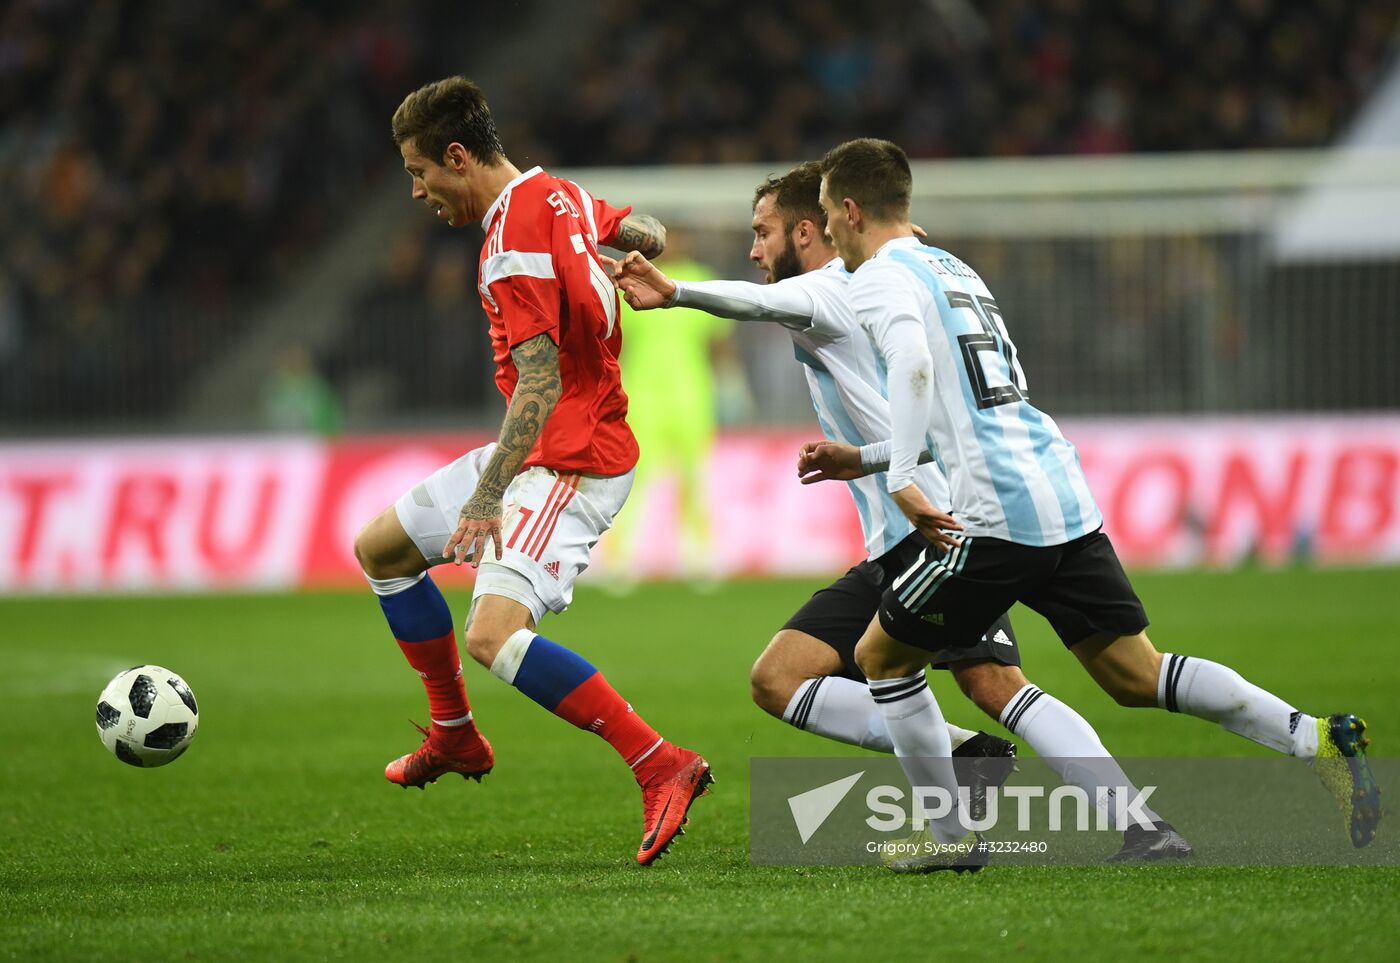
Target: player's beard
(785, 265)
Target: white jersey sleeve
(813, 304)
(892, 311)
(875, 457)
(782, 303)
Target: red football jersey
(540, 274)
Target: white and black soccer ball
(147, 716)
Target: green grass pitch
(276, 836)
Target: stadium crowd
(950, 78)
(161, 165)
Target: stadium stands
(163, 167)
(728, 81)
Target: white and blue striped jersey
(954, 378)
(845, 375)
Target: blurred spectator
(677, 367)
(297, 399)
(454, 368)
(13, 374)
(417, 336)
(374, 356)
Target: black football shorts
(948, 601)
(840, 613)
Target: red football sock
(597, 707)
(440, 665)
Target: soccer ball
(147, 716)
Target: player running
(1027, 528)
(808, 676)
(541, 495)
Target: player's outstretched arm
(642, 233)
(645, 286)
(537, 391)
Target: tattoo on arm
(537, 391)
(641, 232)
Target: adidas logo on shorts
(553, 569)
(1002, 637)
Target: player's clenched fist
(828, 461)
(643, 285)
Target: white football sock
(841, 709)
(921, 743)
(1071, 747)
(1212, 691)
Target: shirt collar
(496, 204)
(897, 242)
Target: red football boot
(666, 798)
(428, 762)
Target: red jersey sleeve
(608, 218)
(526, 293)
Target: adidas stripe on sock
(1209, 690)
(841, 709)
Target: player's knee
(483, 642)
(491, 623)
(865, 659)
(877, 662)
(770, 687)
(370, 553)
(384, 551)
(364, 552)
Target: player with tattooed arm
(526, 509)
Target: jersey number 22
(992, 370)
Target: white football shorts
(550, 522)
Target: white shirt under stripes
(845, 375)
(954, 378)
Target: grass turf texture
(276, 836)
